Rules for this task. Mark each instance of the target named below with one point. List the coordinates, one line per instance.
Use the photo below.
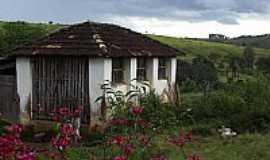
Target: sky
(179, 18)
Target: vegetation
(193, 48)
(218, 85)
(260, 41)
(13, 34)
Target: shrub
(242, 106)
(160, 115)
(189, 86)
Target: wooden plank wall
(9, 103)
(60, 81)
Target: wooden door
(58, 82)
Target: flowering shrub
(130, 139)
(12, 147)
(68, 130)
(180, 141)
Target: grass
(198, 47)
(243, 147)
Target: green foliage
(184, 70)
(13, 34)
(203, 70)
(188, 86)
(263, 64)
(243, 106)
(2, 126)
(249, 57)
(160, 115)
(76, 154)
(260, 41)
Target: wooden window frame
(141, 69)
(162, 68)
(118, 70)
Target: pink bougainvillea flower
(142, 123)
(128, 149)
(179, 141)
(78, 111)
(136, 110)
(118, 140)
(144, 140)
(120, 158)
(14, 129)
(60, 143)
(64, 111)
(67, 129)
(26, 156)
(6, 146)
(119, 122)
(194, 157)
(189, 137)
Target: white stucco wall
(99, 71)
(133, 71)
(158, 85)
(130, 73)
(161, 84)
(173, 70)
(24, 81)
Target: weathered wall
(24, 86)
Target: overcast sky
(181, 18)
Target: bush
(189, 86)
(242, 106)
(160, 115)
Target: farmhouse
(67, 67)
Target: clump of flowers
(194, 157)
(181, 140)
(133, 139)
(12, 147)
(64, 114)
(68, 131)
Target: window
(117, 70)
(162, 68)
(141, 69)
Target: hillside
(13, 34)
(198, 47)
(260, 41)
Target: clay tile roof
(96, 40)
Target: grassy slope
(48, 27)
(197, 47)
(243, 147)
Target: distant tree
(3, 43)
(263, 64)
(249, 57)
(234, 66)
(184, 70)
(204, 72)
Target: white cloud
(197, 30)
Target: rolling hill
(199, 47)
(260, 41)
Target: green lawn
(243, 147)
